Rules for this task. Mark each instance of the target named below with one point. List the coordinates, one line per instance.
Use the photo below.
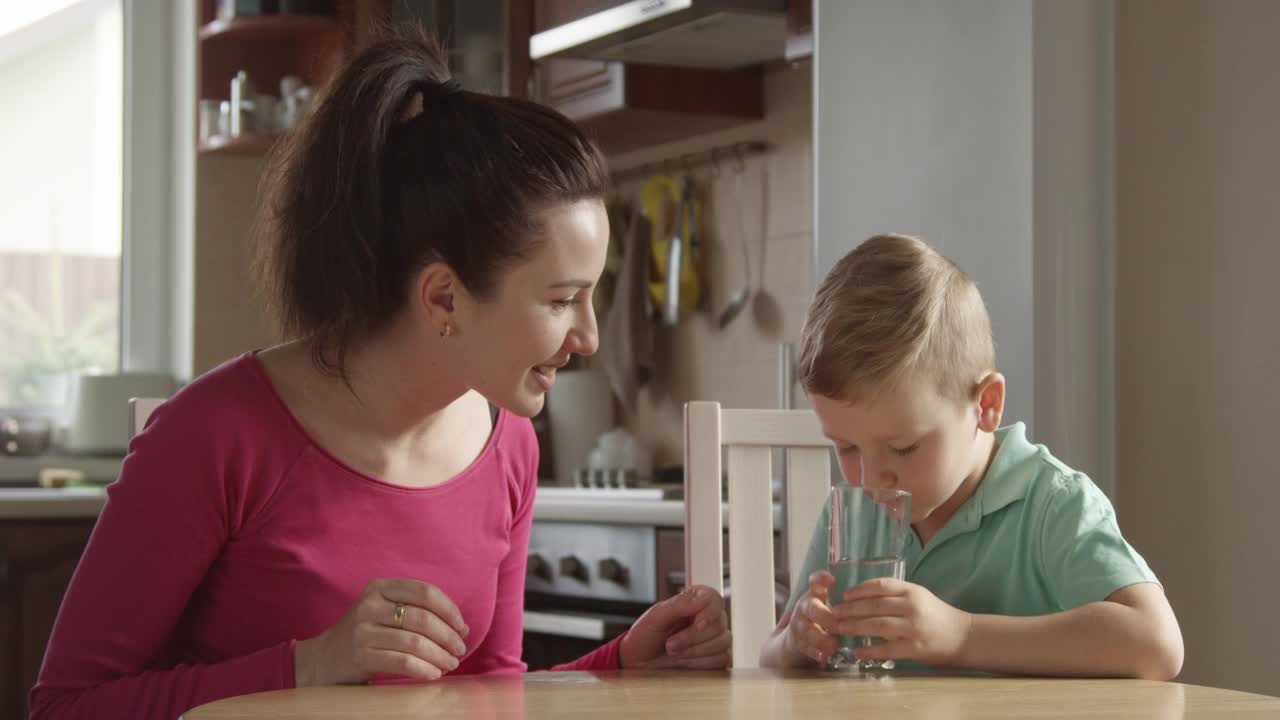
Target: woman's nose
(584, 337)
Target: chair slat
(808, 482)
(750, 550)
(704, 524)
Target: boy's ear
(990, 407)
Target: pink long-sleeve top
(230, 535)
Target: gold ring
(399, 616)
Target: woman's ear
(990, 406)
(435, 297)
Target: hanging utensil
(675, 256)
(739, 299)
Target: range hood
(721, 34)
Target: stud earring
(447, 330)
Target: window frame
(157, 234)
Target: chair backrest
(750, 436)
(139, 410)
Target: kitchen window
(61, 196)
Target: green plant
(38, 348)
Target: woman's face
(542, 312)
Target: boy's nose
(873, 477)
(884, 481)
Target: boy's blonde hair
(892, 309)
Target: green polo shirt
(1035, 538)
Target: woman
(349, 505)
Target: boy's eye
(901, 452)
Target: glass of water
(868, 534)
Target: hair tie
(425, 91)
(443, 88)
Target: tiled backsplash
(738, 366)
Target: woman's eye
(846, 450)
(565, 303)
(902, 452)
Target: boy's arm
(1133, 633)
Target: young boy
(1016, 564)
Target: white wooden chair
(750, 436)
(139, 410)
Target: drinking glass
(868, 534)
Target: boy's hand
(914, 623)
(810, 632)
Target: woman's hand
(689, 630)
(422, 641)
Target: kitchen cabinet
(799, 29)
(549, 13)
(626, 106)
(488, 39)
(37, 560)
(310, 46)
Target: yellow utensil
(661, 198)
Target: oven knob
(614, 571)
(539, 568)
(571, 566)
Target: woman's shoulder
(220, 445)
(233, 398)
(515, 447)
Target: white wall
(985, 127)
(1198, 287)
(1074, 233)
(923, 125)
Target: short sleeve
(815, 558)
(1084, 558)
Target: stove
(587, 580)
(599, 557)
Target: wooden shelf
(269, 27)
(250, 144)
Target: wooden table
(746, 693)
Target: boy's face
(912, 438)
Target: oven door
(555, 634)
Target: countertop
(19, 500)
(87, 502)
(28, 503)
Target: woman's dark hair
(363, 197)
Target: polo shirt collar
(1002, 485)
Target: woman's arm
(165, 521)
